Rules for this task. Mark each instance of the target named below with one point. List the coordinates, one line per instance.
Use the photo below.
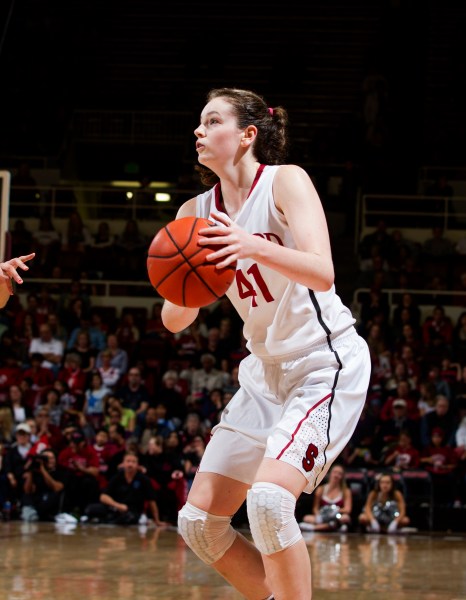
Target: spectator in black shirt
(44, 482)
(134, 393)
(126, 496)
(15, 461)
(440, 418)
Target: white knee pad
(208, 536)
(271, 516)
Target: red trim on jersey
(301, 422)
(218, 198)
(256, 178)
(218, 190)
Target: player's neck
(232, 193)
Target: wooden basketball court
(42, 561)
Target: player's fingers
(229, 260)
(9, 271)
(209, 232)
(207, 239)
(221, 218)
(21, 265)
(27, 257)
(223, 253)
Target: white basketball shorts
(302, 411)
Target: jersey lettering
(310, 457)
(246, 289)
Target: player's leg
(204, 523)
(322, 407)
(226, 472)
(271, 511)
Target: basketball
(178, 269)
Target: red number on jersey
(246, 288)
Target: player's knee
(271, 513)
(208, 536)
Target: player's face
(218, 135)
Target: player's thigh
(282, 474)
(217, 494)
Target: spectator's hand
(78, 466)
(12, 480)
(177, 474)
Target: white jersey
(282, 319)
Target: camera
(37, 461)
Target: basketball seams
(189, 238)
(181, 250)
(189, 292)
(201, 279)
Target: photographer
(44, 483)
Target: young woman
(304, 383)
(332, 506)
(385, 508)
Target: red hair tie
(270, 111)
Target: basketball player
(8, 271)
(304, 384)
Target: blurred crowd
(105, 416)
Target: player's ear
(249, 135)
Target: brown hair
(271, 144)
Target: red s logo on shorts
(310, 458)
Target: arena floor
(41, 561)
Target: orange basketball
(178, 269)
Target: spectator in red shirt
(404, 455)
(104, 451)
(74, 375)
(41, 377)
(117, 442)
(82, 464)
(402, 392)
(48, 435)
(390, 429)
(441, 461)
(437, 333)
(10, 374)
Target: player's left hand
(236, 243)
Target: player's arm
(8, 271)
(310, 264)
(176, 318)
